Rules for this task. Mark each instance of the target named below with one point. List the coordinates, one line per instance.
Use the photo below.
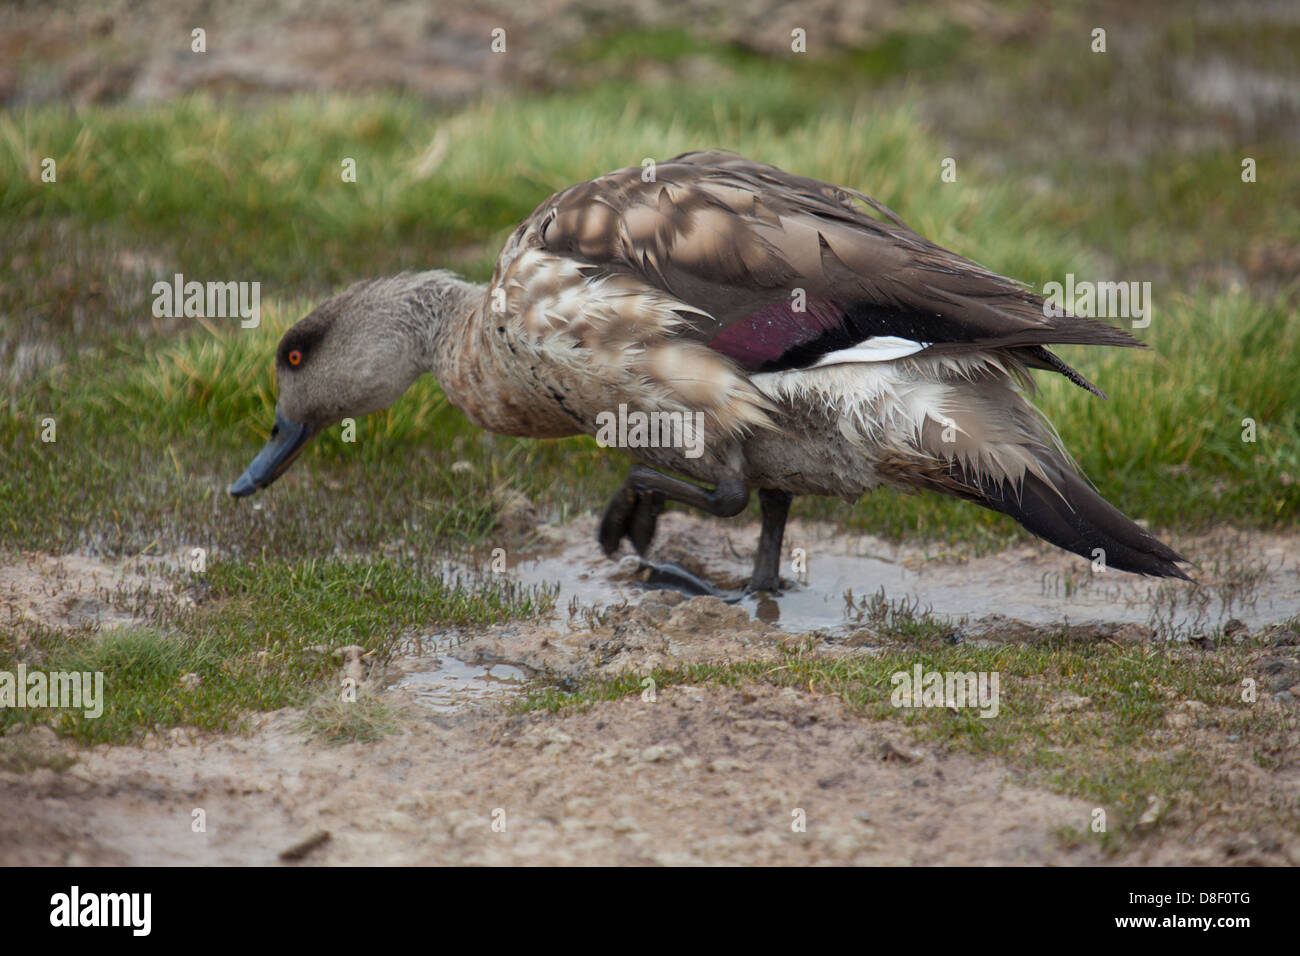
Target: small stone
(728, 764)
(43, 777)
(1132, 634)
(1152, 812)
(42, 735)
(888, 752)
(399, 821)
(1285, 637)
(515, 513)
(1069, 702)
(1282, 677)
(654, 614)
(304, 847)
(658, 752)
(549, 741)
(667, 598)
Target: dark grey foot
(635, 508)
(630, 514)
(672, 577)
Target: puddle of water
(584, 580)
(1033, 591)
(1029, 593)
(453, 684)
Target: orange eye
(295, 357)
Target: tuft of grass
(363, 721)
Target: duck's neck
(470, 353)
(438, 309)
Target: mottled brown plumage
(823, 346)
(726, 236)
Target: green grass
(1171, 215)
(261, 639)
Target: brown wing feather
(730, 236)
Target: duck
(734, 329)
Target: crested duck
(807, 341)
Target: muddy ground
(700, 775)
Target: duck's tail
(999, 452)
(1063, 509)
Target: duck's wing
(782, 271)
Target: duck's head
(353, 355)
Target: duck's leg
(636, 506)
(645, 516)
(767, 563)
(630, 514)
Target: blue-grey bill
(287, 439)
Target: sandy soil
(698, 775)
(703, 775)
(73, 591)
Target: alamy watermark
(1099, 300)
(208, 300)
(637, 429)
(77, 690)
(922, 688)
(130, 910)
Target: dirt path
(698, 775)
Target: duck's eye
(295, 357)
